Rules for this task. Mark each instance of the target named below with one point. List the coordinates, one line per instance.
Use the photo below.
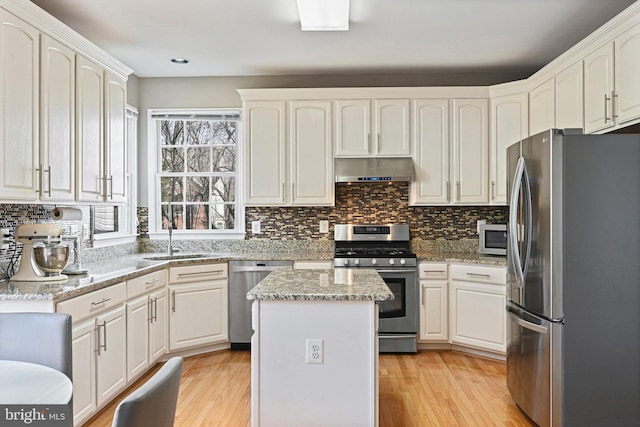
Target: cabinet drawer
(479, 273)
(433, 270)
(197, 273)
(146, 283)
(92, 303)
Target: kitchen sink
(177, 256)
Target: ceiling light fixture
(180, 60)
(323, 15)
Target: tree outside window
(198, 173)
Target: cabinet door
(353, 127)
(570, 98)
(434, 318)
(391, 127)
(84, 371)
(311, 154)
(627, 75)
(89, 122)
(471, 150)
(19, 104)
(138, 319)
(116, 138)
(430, 152)
(57, 107)
(542, 107)
(477, 315)
(265, 153)
(111, 364)
(159, 325)
(598, 88)
(509, 124)
(198, 314)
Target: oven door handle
(397, 270)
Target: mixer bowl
(51, 259)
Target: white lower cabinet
(198, 306)
(434, 319)
(99, 348)
(477, 299)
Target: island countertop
(340, 284)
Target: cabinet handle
(49, 181)
(101, 346)
(448, 191)
(458, 191)
(104, 324)
(378, 143)
(102, 301)
(606, 110)
(614, 110)
(433, 271)
(155, 309)
(493, 188)
(422, 301)
(200, 272)
(110, 181)
(97, 330)
(150, 308)
(173, 301)
(39, 180)
(485, 276)
(293, 190)
(151, 282)
(368, 143)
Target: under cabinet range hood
(374, 169)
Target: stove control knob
(346, 262)
(374, 261)
(392, 262)
(402, 261)
(356, 261)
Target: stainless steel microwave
(493, 239)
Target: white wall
(220, 92)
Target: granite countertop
(342, 284)
(115, 270)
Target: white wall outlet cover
(324, 226)
(315, 350)
(480, 222)
(255, 227)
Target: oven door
(400, 315)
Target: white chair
(154, 403)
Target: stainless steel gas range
(386, 248)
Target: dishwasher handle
(256, 269)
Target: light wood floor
(432, 388)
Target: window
(197, 172)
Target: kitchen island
(314, 358)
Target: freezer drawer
(530, 365)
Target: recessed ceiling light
(323, 15)
(180, 60)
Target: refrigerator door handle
(527, 325)
(513, 222)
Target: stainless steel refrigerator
(573, 351)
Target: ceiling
(263, 37)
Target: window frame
(153, 162)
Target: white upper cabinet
(542, 107)
(57, 106)
(19, 105)
(470, 139)
(265, 152)
(598, 89)
(311, 156)
(90, 133)
(569, 98)
(116, 173)
(627, 75)
(509, 124)
(430, 152)
(357, 135)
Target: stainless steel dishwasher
(244, 275)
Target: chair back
(42, 338)
(154, 403)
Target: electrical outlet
(255, 227)
(315, 350)
(479, 223)
(4, 234)
(324, 226)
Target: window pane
(224, 133)
(199, 133)
(198, 160)
(176, 213)
(198, 189)
(224, 159)
(171, 132)
(171, 189)
(223, 216)
(198, 217)
(172, 160)
(223, 189)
